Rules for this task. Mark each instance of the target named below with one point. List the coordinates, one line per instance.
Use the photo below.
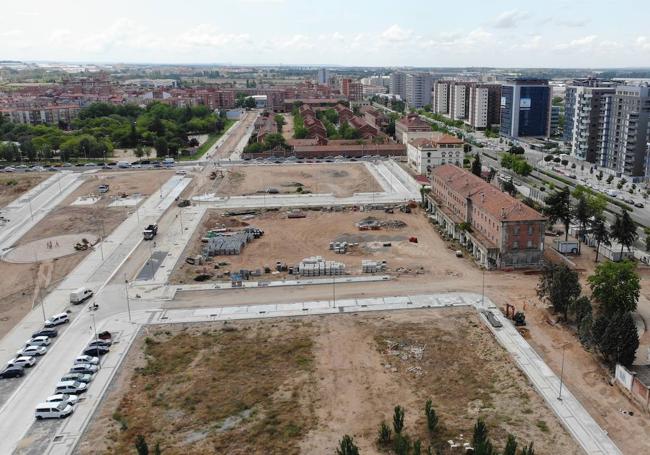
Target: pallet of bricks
(316, 266)
(368, 266)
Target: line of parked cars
(35, 347)
(75, 382)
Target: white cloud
(396, 34)
(510, 19)
(643, 42)
(584, 43)
(205, 35)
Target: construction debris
(296, 214)
(317, 266)
(229, 243)
(340, 247)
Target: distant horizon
(512, 34)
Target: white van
(53, 410)
(70, 387)
(80, 295)
(123, 164)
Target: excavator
(517, 317)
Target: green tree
(528, 450)
(156, 449)
(384, 435)
(141, 445)
(161, 146)
(624, 231)
(646, 231)
(402, 444)
(581, 308)
(610, 179)
(560, 286)
(582, 215)
(509, 187)
(558, 208)
(476, 165)
(249, 103)
(511, 446)
(432, 417)
(585, 330)
(347, 446)
(615, 285)
(417, 448)
(600, 232)
(398, 420)
(620, 340)
(480, 435)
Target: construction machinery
(83, 245)
(518, 317)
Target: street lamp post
(559, 396)
(126, 292)
(334, 289)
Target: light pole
(483, 290)
(559, 396)
(334, 289)
(180, 218)
(31, 213)
(38, 290)
(126, 292)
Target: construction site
(338, 179)
(51, 249)
(197, 388)
(312, 243)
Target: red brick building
(497, 229)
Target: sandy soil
(340, 179)
(291, 240)
(18, 280)
(13, 185)
(353, 370)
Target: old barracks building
(497, 229)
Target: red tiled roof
(413, 121)
(500, 205)
(436, 139)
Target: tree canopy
(558, 208)
(616, 286)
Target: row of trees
(101, 127)
(606, 325)
(395, 439)
(588, 212)
(517, 163)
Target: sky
(422, 33)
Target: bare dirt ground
(287, 128)
(298, 385)
(13, 185)
(340, 179)
(291, 240)
(18, 282)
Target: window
(515, 245)
(529, 244)
(530, 229)
(516, 230)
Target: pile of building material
(296, 214)
(368, 266)
(339, 247)
(317, 266)
(226, 244)
(369, 224)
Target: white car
(63, 398)
(86, 359)
(31, 351)
(57, 319)
(53, 410)
(83, 368)
(181, 172)
(71, 387)
(38, 341)
(23, 361)
(78, 377)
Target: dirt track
(13, 185)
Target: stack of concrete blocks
(227, 244)
(368, 266)
(316, 266)
(339, 247)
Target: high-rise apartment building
(352, 90)
(587, 110)
(397, 85)
(525, 108)
(323, 76)
(629, 132)
(418, 88)
(475, 103)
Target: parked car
(85, 368)
(86, 359)
(96, 351)
(50, 333)
(53, 410)
(82, 294)
(22, 361)
(63, 398)
(9, 169)
(12, 372)
(90, 164)
(639, 205)
(38, 341)
(79, 377)
(32, 351)
(181, 172)
(102, 343)
(71, 387)
(57, 319)
(103, 188)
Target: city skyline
(266, 32)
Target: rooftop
(436, 139)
